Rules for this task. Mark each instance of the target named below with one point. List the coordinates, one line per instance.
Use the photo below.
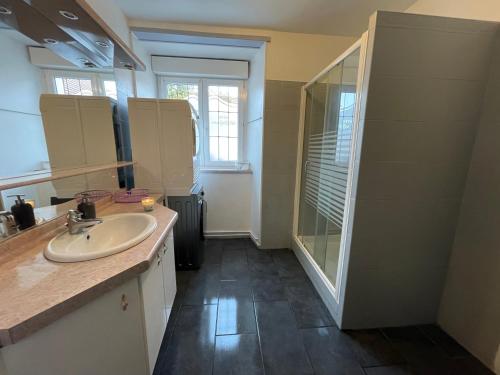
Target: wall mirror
(55, 116)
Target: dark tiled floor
(248, 311)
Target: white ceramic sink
(115, 234)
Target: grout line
(259, 340)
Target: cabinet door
(169, 281)
(104, 337)
(153, 299)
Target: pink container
(131, 196)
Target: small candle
(148, 203)
(31, 202)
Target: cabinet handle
(124, 302)
(158, 258)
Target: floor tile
(202, 292)
(239, 255)
(237, 271)
(236, 313)
(213, 255)
(259, 256)
(444, 341)
(237, 244)
(389, 370)
(371, 348)
(190, 350)
(310, 312)
(469, 366)
(417, 350)
(238, 354)
(268, 288)
(260, 269)
(326, 356)
(281, 343)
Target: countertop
(35, 292)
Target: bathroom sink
(115, 234)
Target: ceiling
(332, 17)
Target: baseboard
(255, 240)
(226, 234)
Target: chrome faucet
(7, 224)
(76, 224)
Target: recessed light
(50, 41)
(83, 60)
(128, 66)
(68, 15)
(5, 11)
(102, 44)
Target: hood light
(68, 15)
(50, 41)
(5, 11)
(102, 44)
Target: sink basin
(115, 234)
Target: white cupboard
(79, 131)
(118, 333)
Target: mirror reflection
(54, 116)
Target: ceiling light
(5, 11)
(83, 60)
(68, 15)
(128, 66)
(50, 41)
(102, 44)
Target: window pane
(214, 148)
(223, 101)
(110, 89)
(74, 86)
(233, 125)
(213, 124)
(233, 99)
(233, 149)
(184, 91)
(223, 148)
(223, 124)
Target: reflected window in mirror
(65, 82)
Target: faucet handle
(74, 215)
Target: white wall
(470, 306)
(228, 202)
(254, 136)
(290, 56)
(21, 129)
(487, 10)
(145, 82)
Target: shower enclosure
(328, 125)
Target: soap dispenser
(23, 213)
(87, 208)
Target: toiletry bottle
(87, 208)
(23, 213)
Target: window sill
(226, 170)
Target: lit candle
(31, 202)
(148, 203)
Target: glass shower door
(328, 125)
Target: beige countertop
(35, 292)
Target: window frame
(97, 79)
(203, 83)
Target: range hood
(71, 30)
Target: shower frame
(333, 296)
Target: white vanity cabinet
(158, 288)
(117, 333)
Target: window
(344, 130)
(80, 83)
(220, 106)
